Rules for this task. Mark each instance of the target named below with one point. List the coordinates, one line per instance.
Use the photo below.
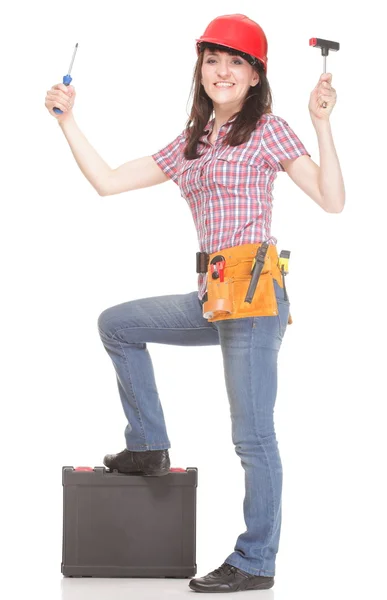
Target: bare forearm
(90, 163)
(331, 181)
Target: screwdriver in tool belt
(67, 79)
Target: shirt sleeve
(169, 158)
(279, 142)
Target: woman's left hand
(323, 92)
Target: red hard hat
(237, 32)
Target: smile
(223, 84)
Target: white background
(67, 254)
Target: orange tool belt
(228, 282)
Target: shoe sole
(262, 586)
(142, 473)
(155, 474)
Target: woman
(225, 167)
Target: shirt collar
(210, 124)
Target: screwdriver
(325, 46)
(67, 79)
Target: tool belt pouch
(219, 303)
(226, 300)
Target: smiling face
(227, 78)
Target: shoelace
(225, 568)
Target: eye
(238, 61)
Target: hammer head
(325, 45)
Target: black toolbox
(117, 525)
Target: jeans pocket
(283, 315)
(283, 308)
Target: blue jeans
(250, 349)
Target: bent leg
(125, 330)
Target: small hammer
(325, 46)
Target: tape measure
(283, 261)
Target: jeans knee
(107, 322)
(249, 443)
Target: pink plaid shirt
(229, 188)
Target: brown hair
(258, 101)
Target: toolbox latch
(83, 469)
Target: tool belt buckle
(202, 259)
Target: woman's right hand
(60, 96)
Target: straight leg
(250, 350)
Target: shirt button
(229, 157)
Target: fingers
(324, 88)
(328, 97)
(50, 105)
(323, 96)
(63, 91)
(326, 77)
(60, 96)
(57, 100)
(327, 94)
(67, 89)
(324, 100)
(324, 82)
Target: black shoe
(150, 462)
(230, 579)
